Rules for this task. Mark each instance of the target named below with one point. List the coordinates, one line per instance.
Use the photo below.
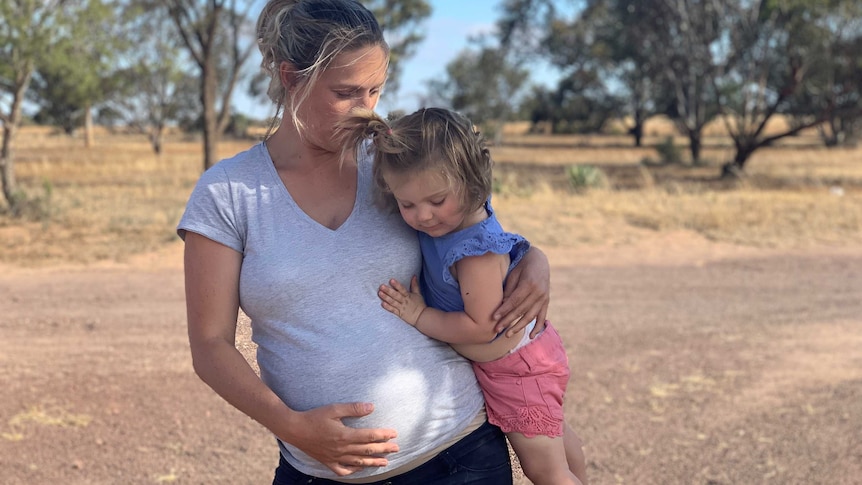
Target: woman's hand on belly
(321, 434)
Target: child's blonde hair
(429, 139)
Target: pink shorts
(524, 390)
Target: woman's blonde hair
(309, 34)
(429, 139)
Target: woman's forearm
(222, 367)
(526, 295)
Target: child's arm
(481, 282)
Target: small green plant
(668, 152)
(33, 208)
(583, 177)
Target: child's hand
(406, 304)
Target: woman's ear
(288, 75)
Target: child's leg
(575, 453)
(543, 459)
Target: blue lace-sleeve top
(439, 287)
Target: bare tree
(217, 35)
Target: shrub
(33, 208)
(583, 177)
(668, 152)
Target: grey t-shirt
(311, 294)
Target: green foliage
(239, 125)
(668, 152)
(157, 88)
(29, 30)
(585, 177)
(481, 83)
(580, 103)
(26, 33)
(77, 72)
(33, 208)
(400, 21)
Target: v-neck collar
(359, 195)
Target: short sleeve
(210, 211)
(487, 242)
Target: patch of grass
(745, 216)
(585, 177)
(669, 152)
(41, 416)
(29, 207)
(119, 199)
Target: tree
(785, 58)
(605, 40)
(837, 85)
(27, 31)
(217, 36)
(77, 73)
(157, 89)
(483, 85)
(522, 23)
(400, 21)
(682, 44)
(597, 47)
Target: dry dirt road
(693, 363)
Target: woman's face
(354, 79)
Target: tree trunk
(637, 131)
(7, 164)
(10, 128)
(89, 139)
(735, 168)
(695, 146)
(210, 137)
(157, 133)
(208, 100)
(850, 134)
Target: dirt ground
(693, 363)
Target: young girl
(436, 170)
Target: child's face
(427, 202)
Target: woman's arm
(526, 295)
(212, 300)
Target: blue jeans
(480, 458)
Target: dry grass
(775, 218)
(118, 199)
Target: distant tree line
(146, 64)
(149, 64)
(743, 62)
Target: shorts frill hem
(530, 422)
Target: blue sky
(447, 31)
